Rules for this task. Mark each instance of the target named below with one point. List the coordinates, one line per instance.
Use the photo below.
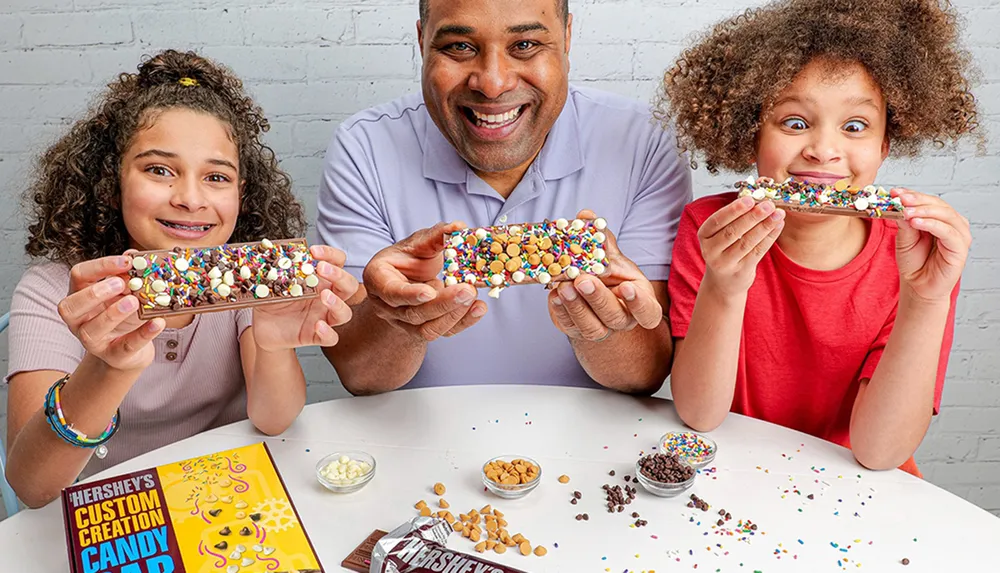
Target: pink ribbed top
(195, 383)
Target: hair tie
(188, 82)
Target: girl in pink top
(835, 326)
(170, 156)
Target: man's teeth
(496, 120)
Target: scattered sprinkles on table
(839, 198)
(182, 280)
(531, 253)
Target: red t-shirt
(812, 335)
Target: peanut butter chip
(496, 248)
(525, 548)
(513, 264)
(513, 250)
(541, 551)
(496, 267)
(548, 259)
(439, 489)
(555, 269)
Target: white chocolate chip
(450, 281)
(578, 224)
(495, 292)
(308, 269)
(544, 278)
(258, 548)
(599, 238)
(796, 197)
(272, 274)
(518, 276)
(312, 281)
(295, 290)
(870, 190)
(572, 272)
(561, 224)
(598, 268)
(450, 253)
(241, 505)
(224, 290)
(456, 240)
(215, 273)
(158, 286)
(496, 280)
(771, 193)
(236, 554)
(215, 283)
(241, 548)
(599, 254)
(181, 265)
(345, 471)
(600, 223)
(246, 562)
(267, 243)
(261, 291)
(240, 515)
(245, 272)
(139, 264)
(515, 230)
(268, 550)
(759, 194)
(453, 268)
(824, 198)
(228, 278)
(470, 278)
(162, 299)
(233, 568)
(298, 257)
(135, 283)
(284, 263)
(481, 233)
(192, 276)
(751, 180)
(861, 204)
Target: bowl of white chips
(345, 472)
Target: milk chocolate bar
(419, 546)
(530, 253)
(208, 279)
(837, 199)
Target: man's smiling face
(495, 76)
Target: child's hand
(103, 317)
(931, 246)
(309, 322)
(734, 239)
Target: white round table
(816, 509)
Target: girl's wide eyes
(855, 126)
(794, 123)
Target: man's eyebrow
(454, 30)
(524, 28)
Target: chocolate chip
(579, 517)
(577, 494)
(811, 496)
(621, 509)
(611, 473)
(665, 468)
(573, 501)
(222, 545)
(586, 517)
(729, 516)
(225, 531)
(245, 531)
(635, 480)
(635, 514)
(720, 523)
(214, 512)
(628, 478)
(905, 561)
(255, 516)
(753, 527)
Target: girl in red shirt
(839, 327)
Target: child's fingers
(750, 239)
(332, 255)
(952, 242)
(133, 342)
(337, 311)
(93, 332)
(341, 282)
(324, 335)
(734, 232)
(941, 212)
(724, 216)
(87, 273)
(764, 245)
(85, 304)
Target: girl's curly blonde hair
(718, 92)
(74, 200)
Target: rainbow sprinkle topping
(839, 198)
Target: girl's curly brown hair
(718, 92)
(74, 200)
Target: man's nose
(494, 76)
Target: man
(499, 137)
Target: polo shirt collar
(561, 155)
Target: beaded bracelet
(66, 431)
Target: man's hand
(403, 289)
(593, 308)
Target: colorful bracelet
(66, 431)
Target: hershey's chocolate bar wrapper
(418, 546)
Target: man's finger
(641, 304)
(586, 320)
(476, 312)
(561, 317)
(387, 283)
(603, 302)
(448, 301)
(429, 243)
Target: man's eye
(794, 123)
(460, 47)
(524, 45)
(855, 126)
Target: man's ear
(420, 37)
(569, 32)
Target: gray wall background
(313, 63)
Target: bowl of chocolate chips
(665, 475)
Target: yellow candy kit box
(227, 512)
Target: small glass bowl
(663, 489)
(697, 461)
(511, 491)
(345, 486)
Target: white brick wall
(311, 63)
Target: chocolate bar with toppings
(531, 253)
(420, 546)
(208, 279)
(837, 199)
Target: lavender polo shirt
(389, 172)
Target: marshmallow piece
(295, 290)
(544, 278)
(181, 265)
(561, 224)
(796, 197)
(261, 291)
(140, 263)
(267, 243)
(517, 277)
(272, 274)
(495, 292)
(245, 272)
(598, 269)
(162, 299)
(284, 263)
(224, 290)
(578, 224)
(496, 280)
(600, 223)
(572, 272)
(135, 283)
(312, 281)
(450, 281)
(308, 269)
(158, 286)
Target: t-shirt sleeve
(650, 224)
(686, 273)
(878, 349)
(244, 320)
(38, 339)
(351, 214)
